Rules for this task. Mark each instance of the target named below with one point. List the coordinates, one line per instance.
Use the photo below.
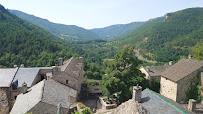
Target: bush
(82, 106)
(87, 111)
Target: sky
(99, 13)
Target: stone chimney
(15, 66)
(60, 61)
(189, 56)
(49, 75)
(192, 105)
(81, 59)
(24, 88)
(137, 93)
(56, 70)
(170, 63)
(22, 66)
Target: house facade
(70, 73)
(176, 80)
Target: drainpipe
(59, 108)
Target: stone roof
(157, 104)
(6, 76)
(152, 103)
(19, 75)
(55, 93)
(46, 91)
(130, 107)
(156, 70)
(181, 69)
(27, 75)
(72, 62)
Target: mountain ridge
(24, 43)
(55, 28)
(175, 36)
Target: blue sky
(99, 13)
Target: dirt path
(140, 57)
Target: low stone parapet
(104, 104)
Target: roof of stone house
(156, 70)
(182, 69)
(129, 107)
(26, 75)
(46, 91)
(6, 76)
(152, 103)
(158, 104)
(72, 62)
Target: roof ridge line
(15, 74)
(42, 90)
(166, 101)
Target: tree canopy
(122, 74)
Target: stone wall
(168, 88)
(202, 84)
(44, 108)
(63, 77)
(145, 72)
(184, 84)
(4, 103)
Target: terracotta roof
(181, 69)
(156, 70)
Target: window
(66, 81)
(14, 86)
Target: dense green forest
(175, 36)
(116, 30)
(24, 43)
(61, 30)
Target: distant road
(140, 57)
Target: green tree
(124, 75)
(198, 52)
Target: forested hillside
(61, 30)
(24, 43)
(116, 30)
(168, 39)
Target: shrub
(87, 111)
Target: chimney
(60, 61)
(137, 93)
(49, 75)
(55, 70)
(189, 56)
(22, 66)
(15, 66)
(81, 59)
(170, 63)
(24, 88)
(192, 105)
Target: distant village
(62, 90)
